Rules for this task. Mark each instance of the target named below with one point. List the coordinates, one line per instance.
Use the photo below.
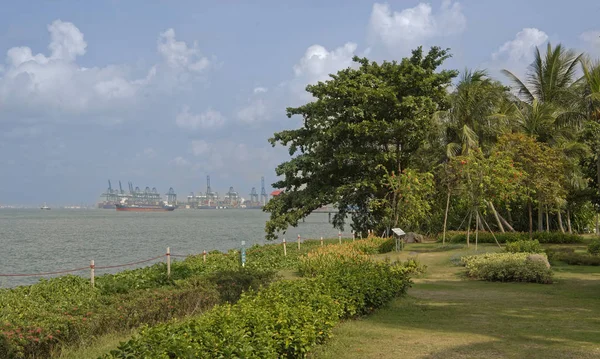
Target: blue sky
(163, 93)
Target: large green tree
(363, 122)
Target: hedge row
(284, 320)
(509, 267)
(487, 237)
(39, 319)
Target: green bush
(36, 319)
(231, 283)
(487, 237)
(594, 247)
(574, 258)
(526, 246)
(283, 320)
(509, 267)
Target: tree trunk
(476, 228)
(469, 228)
(446, 216)
(547, 220)
(493, 209)
(598, 182)
(540, 218)
(569, 221)
(506, 224)
(560, 224)
(530, 220)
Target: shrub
(231, 283)
(574, 258)
(509, 267)
(487, 237)
(594, 247)
(283, 320)
(526, 246)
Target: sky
(164, 93)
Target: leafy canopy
(362, 122)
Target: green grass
(95, 348)
(447, 316)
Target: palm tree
(470, 119)
(548, 110)
(550, 78)
(591, 77)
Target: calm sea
(33, 241)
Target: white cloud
(316, 65)
(255, 112)
(200, 147)
(55, 87)
(260, 90)
(591, 40)
(207, 120)
(180, 161)
(399, 32)
(521, 48)
(317, 62)
(517, 54)
(178, 55)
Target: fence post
(168, 261)
(92, 266)
(284, 248)
(340, 236)
(353, 235)
(204, 256)
(321, 241)
(298, 241)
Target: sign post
(243, 253)
(399, 239)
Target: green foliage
(486, 237)
(524, 246)
(283, 320)
(232, 283)
(509, 267)
(363, 120)
(569, 256)
(408, 202)
(36, 319)
(594, 247)
(482, 178)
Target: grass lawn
(447, 316)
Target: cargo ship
(145, 207)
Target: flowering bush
(509, 267)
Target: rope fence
(92, 267)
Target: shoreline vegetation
(37, 320)
(344, 281)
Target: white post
(321, 241)
(204, 256)
(92, 266)
(298, 242)
(340, 236)
(353, 235)
(168, 262)
(284, 248)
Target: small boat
(45, 207)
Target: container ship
(138, 200)
(145, 207)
